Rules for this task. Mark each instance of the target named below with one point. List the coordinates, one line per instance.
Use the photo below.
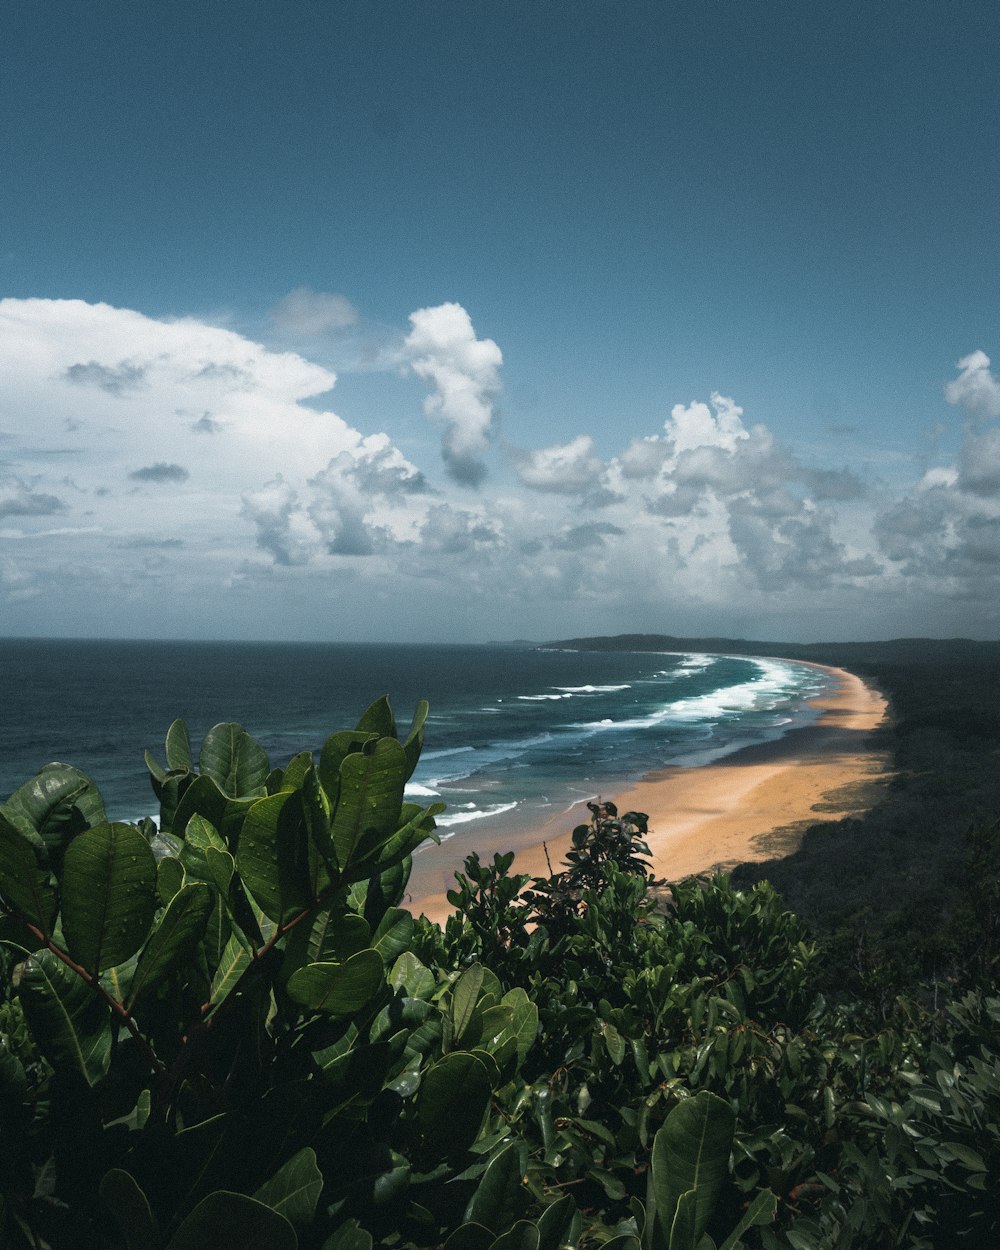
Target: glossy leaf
(470, 1236)
(70, 1024)
(273, 856)
(349, 1236)
(409, 973)
(169, 878)
(761, 1211)
(23, 883)
(522, 1236)
(57, 804)
(451, 1104)
(108, 895)
(338, 989)
(230, 1221)
(500, 1196)
(557, 1223)
(295, 770)
(394, 934)
(464, 994)
(175, 937)
(335, 750)
(370, 796)
(294, 1189)
(178, 748)
(690, 1153)
(415, 738)
(237, 763)
(378, 719)
(234, 962)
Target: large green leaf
(378, 719)
(338, 989)
(178, 748)
(330, 936)
(316, 813)
(175, 937)
(273, 856)
(393, 935)
(761, 1211)
(23, 882)
(123, 1197)
(229, 1221)
(70, 1024)
(349, 1236)
(57, 804)
(204, 798)
(370, 797)
(108, 895)
(559, 1225)
(415, 738)
(451, 1104)
(234, 962)
(690, 1153)
(464, 995)
(294, 1189)
(336, 749)
(237, 763)
(524, 1023)
(500, 1197)
(470, 1236)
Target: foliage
(223, 1029)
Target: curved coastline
(752, 804)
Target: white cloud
(465, 374)
(565, 468)
(182, 468)
(308, 313)
(975, 388)
(698, 426)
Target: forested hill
(893, 650)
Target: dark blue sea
(515, 734)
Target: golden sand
(751, 805)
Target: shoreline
(751, 805)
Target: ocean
(516, 734)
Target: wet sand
(752, 805)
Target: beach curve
(751, 805)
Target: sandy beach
(751, 805)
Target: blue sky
(314, 310)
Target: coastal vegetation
(223, 1028)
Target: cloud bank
(174, 477)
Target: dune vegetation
(225, 1029)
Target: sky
(466, 320)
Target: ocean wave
(594, 689)
(472, 812)
(414, 790)
(543, 698)
(775, 685)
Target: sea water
(515, 735)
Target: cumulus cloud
(266, 498)
(308, 313)
(18, 499)
(979, 463)
(975, 388)
(564, 469)
(160, 472)
(465, 374)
